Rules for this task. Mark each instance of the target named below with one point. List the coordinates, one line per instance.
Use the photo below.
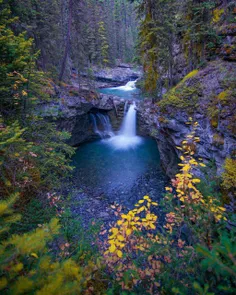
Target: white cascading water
(126, 107)
(101, 125)
(127, 87)
(128, 128)
(127, 137)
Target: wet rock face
(214, 111)
(72, 110)
(228, 49)
(109, 77)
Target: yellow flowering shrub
(142, 257)
(192, 203)
(131, 237)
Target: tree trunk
(67, 45)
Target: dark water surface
(122, 176)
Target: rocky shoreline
(92, 205)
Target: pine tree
(104, 44)
(16, 65)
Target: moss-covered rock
(209, 96)
(229, 175)
(184, 95)
(218, 140)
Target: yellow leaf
(34, 255)
(152, 226)
(114, 230)
(141, 201)
(112, 249)
(141, 209)
(128, 232)
(18, 267)
(119, 253)
(154, 203)
(3, 283)
(24, 93)
(119, 222)
(196, 180)
(222, 208)
(120, 238)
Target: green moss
(190, 75)
(181, 97)
(229, 176)
(224, 96)
(218, 139)
(214, 122)
(217, 13)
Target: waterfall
(127, 87)
(126, 138)
(101, 125)
(126, 107)
(129, 124)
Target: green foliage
(6, 214)
(32, 159)
(104, 43)
(34, 213)
(217, 13)
(182, 96)
(16, 63)
(229, 175)
(220, 261)
(33, 154)
(17, 162)
(156, 37)
(27, 265)
(197, 30)
(166, 24)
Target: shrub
(29, 266)
(193, 255)
(229, 176)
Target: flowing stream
(121, 167)
(128, 91)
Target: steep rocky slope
(209, 97)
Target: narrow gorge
(117, 147)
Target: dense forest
(77, 34)
(55, 57)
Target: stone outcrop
(228, 48)
(71, 110)
(109, 77)
(213, 106)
